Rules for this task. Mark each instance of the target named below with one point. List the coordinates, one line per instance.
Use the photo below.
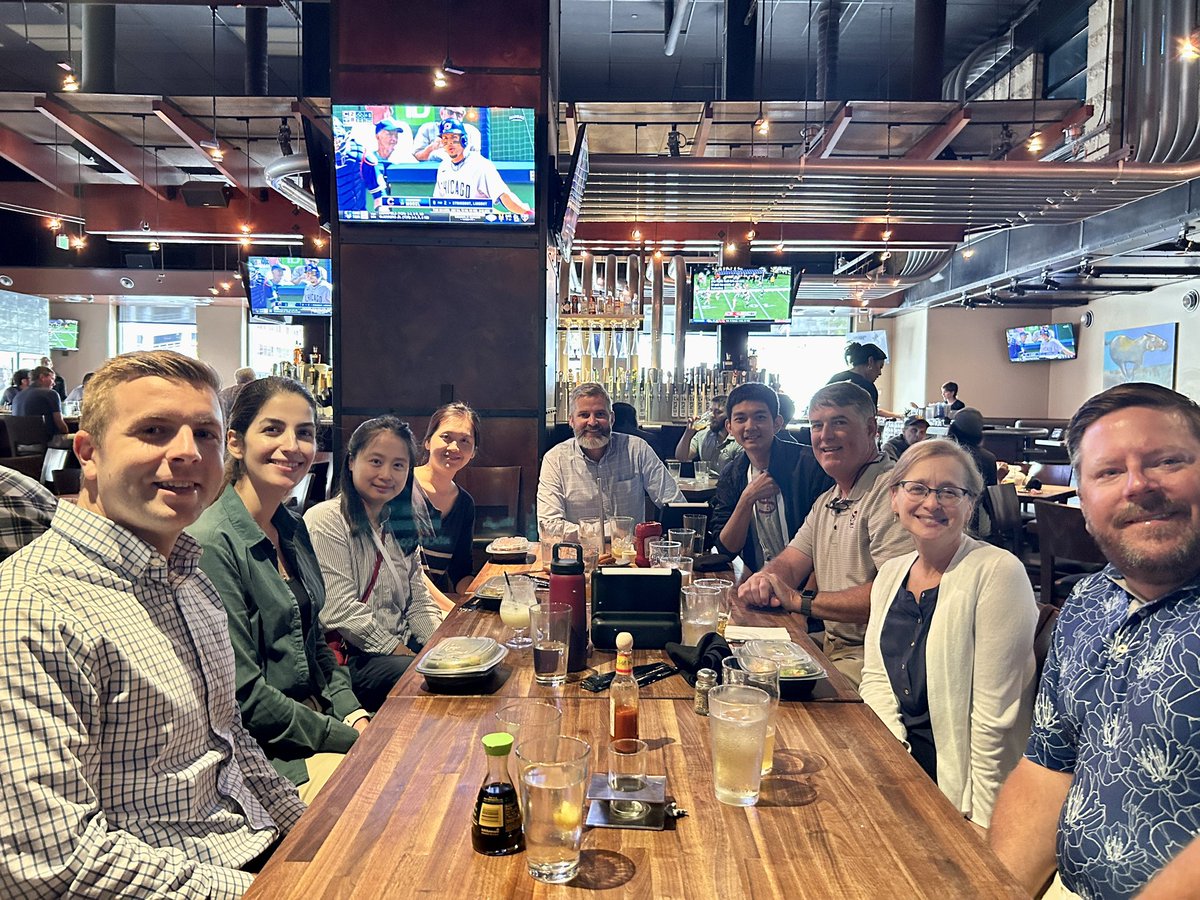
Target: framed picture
(1140, 354)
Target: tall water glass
(550, 532)
(591, 538)
(685, 567)
(554, 778)
(725, 608)
(550, 628)
(673, 468)
(684, 536)
(761, 673)
(699, 613)
(699, 524)
(701, 469)
(737, 718)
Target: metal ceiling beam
(234, 166)
(939, 137)
(831, 134)
(127, 157)
(304, 109)
(825, 233)
(34, 159)
(1051, 135)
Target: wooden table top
(1056, 492)
(847, 814)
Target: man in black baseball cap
(913, 432)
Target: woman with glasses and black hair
(379, 605)
(949, 664)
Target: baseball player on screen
(470, 177)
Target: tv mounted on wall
(571, 201)
(64, 334)
(726, 295)
(1038, 343)
(414, 162)
(289, 286)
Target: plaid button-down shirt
(26, 509)
(124, 766)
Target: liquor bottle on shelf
(623, 693)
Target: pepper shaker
(706, 680)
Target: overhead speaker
(1191, 300)
(204, 193)
(1086, 319)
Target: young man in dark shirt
(40, 399)
(764, 492)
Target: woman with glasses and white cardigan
(949, 664)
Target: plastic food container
(798, 671)
(458, 661)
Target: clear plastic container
(462, 657)
(795, 663)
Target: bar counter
(846, 813)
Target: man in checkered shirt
(26, 509)
(124, 766)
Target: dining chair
(1067, 551)
(1008, 527)
(1043, 635)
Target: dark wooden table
(1055, 492)
(847, 814)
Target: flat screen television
(319, 150)
(64, 334)
(725, 295)
(572, 200)
(457, 165)
(289, 286)
(1037, 343)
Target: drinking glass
(550, 532)
(660, 550)
(698, 523)
(699, 613)
(621, 534)
(725, 608)
(763, 674)
(673, 468)
(514, 610)
(737, 717)
(550, 628)
(685, 570)
(627, 774)
(701, 471)
(525, 719)
(591, 537)
(554, 778)
(684, 536)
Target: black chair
(1004, 508)
(1068, 552)
(1043, 634)
(496, 491)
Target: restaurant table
(697, 491)
(514, 677)
(1055, 492)
(847, 813)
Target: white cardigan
(979, 668)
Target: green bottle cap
(498, 743)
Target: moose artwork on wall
(1140, 354)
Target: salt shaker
(706, 679)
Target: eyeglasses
(946, 496)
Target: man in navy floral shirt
(1109, 789)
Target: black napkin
(705, 655)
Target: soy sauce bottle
(496, 824)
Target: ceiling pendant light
(213, 146)
(69, 82)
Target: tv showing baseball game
(1038, 343)
(64, 334)
(289, 286)
(412, 162)
(724, 295)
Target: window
(1066, 69)
(146, 326)
(271, 343)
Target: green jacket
(278, 665)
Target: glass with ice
(514, 610)
(699, 613)
(554, 777)
(737, 717)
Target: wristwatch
(806, 602)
